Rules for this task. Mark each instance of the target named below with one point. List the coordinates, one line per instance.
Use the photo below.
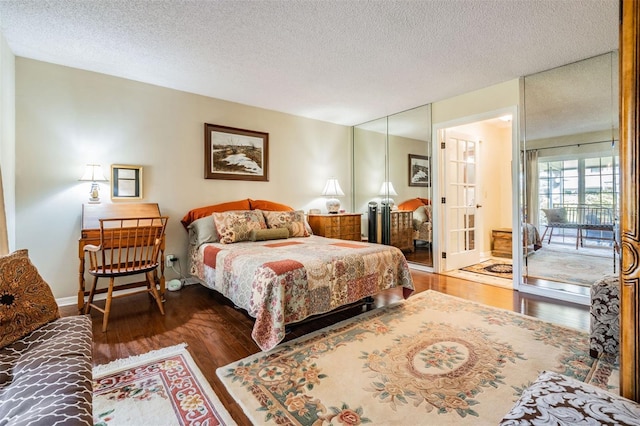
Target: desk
(90, 234)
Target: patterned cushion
(554, 399)
(293, 221)
(604, 311)
(45, 377)
(235, 226)
(26, 301)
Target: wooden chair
(127, 247)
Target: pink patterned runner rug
(433, 359)
(162, 387)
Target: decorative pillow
(269, 206)
(420, 214)
(269, 234)
(235, 226)
(410, 205)
(556, 215)
(293, 221)
(216, 208)
(202, 231)
(427, 210)
(26, 301)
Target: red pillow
(216, 208)
(410, 205)
(269, 206)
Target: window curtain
(531, 189)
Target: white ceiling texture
(345, 62)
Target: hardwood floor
(217, 334)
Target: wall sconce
(386, 190)
(332, 189)
(93, 173)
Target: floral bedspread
(280, 282)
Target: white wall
(8, 136)
(66, 118)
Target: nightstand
(345, 226)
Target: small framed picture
(418, 170)
(126, 182)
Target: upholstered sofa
(45, 361)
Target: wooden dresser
(345, 226)
(401, 229)
(90, 234)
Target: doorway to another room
(476, 191)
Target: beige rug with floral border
(432, 359)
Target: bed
(280, 280)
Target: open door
(461, 244)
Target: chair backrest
(129, 245)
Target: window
(591, 180)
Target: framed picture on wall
(418, 170)
(236, 154)
(126, 182)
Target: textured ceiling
(345, 62)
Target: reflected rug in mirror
(556, 263)
(162, 387)
(434, 357)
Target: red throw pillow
(269, 206)
(410, 205)
(216, 208)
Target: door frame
(439, 177)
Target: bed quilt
(281, 282)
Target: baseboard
(73, 300)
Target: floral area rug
(502, 268)
(163, 387)
(432, 359)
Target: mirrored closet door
(570, 177)
(392, 182)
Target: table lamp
(332, 189)
(93, 173)
(386, 190)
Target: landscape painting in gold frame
(236, 154)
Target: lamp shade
(387, 189)
(93, 173)
(332, 188)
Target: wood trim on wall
(630, 194)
